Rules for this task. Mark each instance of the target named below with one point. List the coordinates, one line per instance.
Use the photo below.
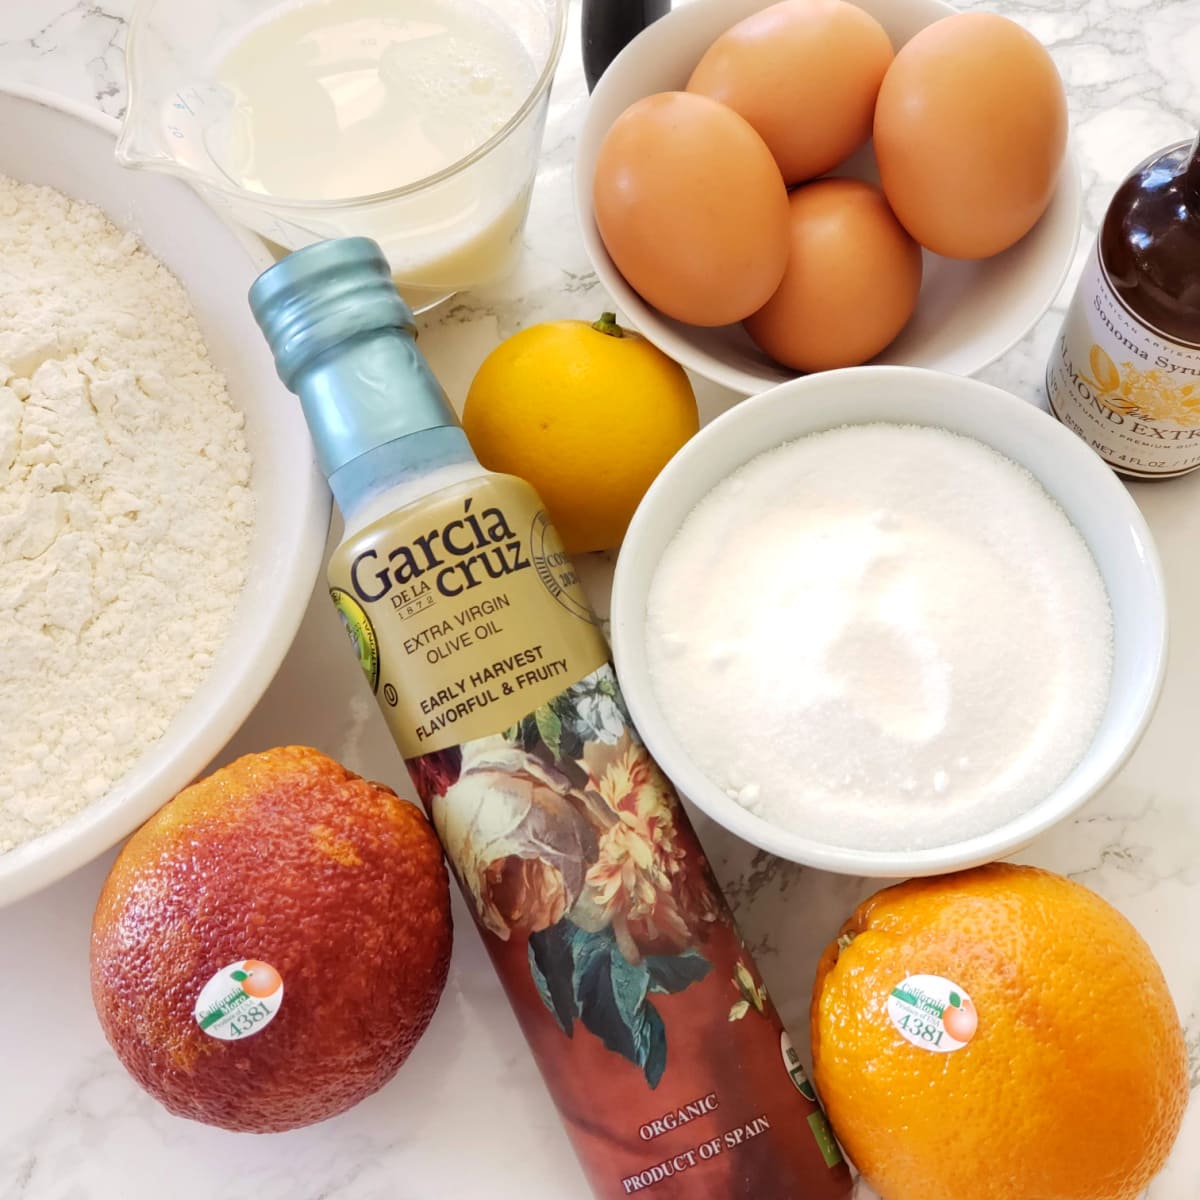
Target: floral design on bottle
(1151, 394)
(564, 828)
(752, 995)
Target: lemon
(588, 414)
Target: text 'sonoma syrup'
(647, 1016)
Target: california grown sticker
(932, 1013)
(239, 1000)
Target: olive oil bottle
(647, 1017)
(1124, 373)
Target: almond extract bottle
(644, 1011)
(1124, 372)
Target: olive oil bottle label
(465, 612)
(651, 1026)
(1129, 391)
(646, 1015)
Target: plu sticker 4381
(932, 1013)
(239, 1000)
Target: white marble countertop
(467, 1117)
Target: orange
(960, 1023)
(589, 414)
(261, 979)
(1074, 1084)
(268, 947)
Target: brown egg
(970, 131)
(805, 74)
(691, 208)
(851, 283)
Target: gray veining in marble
(467, 1116)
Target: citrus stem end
(608, 325)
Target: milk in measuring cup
(333, 101)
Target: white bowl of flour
(161, 517)
(889, 622)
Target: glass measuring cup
(456, 227)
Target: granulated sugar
(884, 637)
(125, 510)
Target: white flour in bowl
(125, 508)
(882, 637)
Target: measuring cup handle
(609, 25)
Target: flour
(125, 510)
(884, 637)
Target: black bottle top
(609, 25)
(1150, 242)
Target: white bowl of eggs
(770, 189)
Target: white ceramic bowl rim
(236, 680)
(688, 473)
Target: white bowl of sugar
(889, 622)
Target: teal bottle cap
(322, 295)
(315, 306)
